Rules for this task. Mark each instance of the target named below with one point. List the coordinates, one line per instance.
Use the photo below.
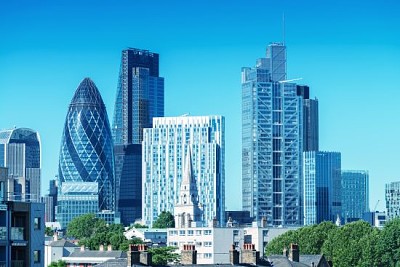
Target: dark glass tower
(140, 98)
(310, 119)
(86, 153)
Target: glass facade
(76, 199)
(322, 186)
(272, 141)
(392, 196)
(165, 147)
(140, 96)
(20, 153)
(128, 166)
(355, 194)
(86, 153)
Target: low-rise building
(151, 236)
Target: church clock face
(184, 199)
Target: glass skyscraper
(272, 141)
(355, 194)
(140, 97)
(86, 153)
(165, 147)
(20, 153)
(322, 186)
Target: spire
(187, 175)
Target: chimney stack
(263, 222)
(82, 248)
(294, 253)
(133, 255)
(250, 255)
(189, 254)
(109, 248)
(101, 247)
(233, 255)
(145, 257)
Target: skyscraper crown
(87, 94)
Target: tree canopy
(59, 263)
(354, 244)
(93, 232)
(165, 220)
(161, 256)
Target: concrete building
(57, 249)
(392, 196)
(150, 236)
(21, 231)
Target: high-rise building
(20, 153)
(128, 167)
(392, 196)
(50, 201)
(310, 119)
(322, 186)
(86, 153)
(355, 194)
(165, 147)
(272, 141)
(140, 97)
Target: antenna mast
(283, 27)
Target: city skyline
(351, 66)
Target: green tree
(388, 244)
(59, 263)
(82, 226)
(163, 255)
(165, 220)
(48, 231)
(138, 225)
(344, 246)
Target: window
(36, 256)
(207, 232)
(190, 232)
(198, 232)
(181, 232)
(36, 223)
(207, 255)
(208, 244)
(172, 233)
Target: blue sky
(348, 52)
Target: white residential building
(165, 146)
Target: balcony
(17, 233)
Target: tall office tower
(392, 196)
(355, 194)
(310, 119)
(86, 153)
(20, 153)
(140, 97)
(272, 141)
(322, 186)
(50, 201)
(165, 147)
(128, 167)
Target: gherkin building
(86, 153)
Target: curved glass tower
(86, 153)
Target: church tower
(187, 209)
